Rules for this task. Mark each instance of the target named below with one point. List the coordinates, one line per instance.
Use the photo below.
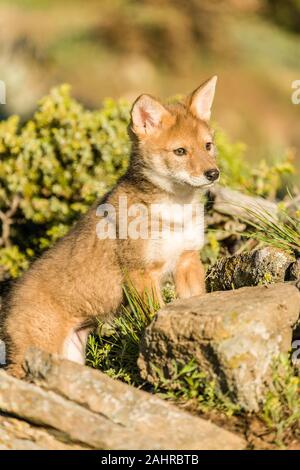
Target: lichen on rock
(261, 266)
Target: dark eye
(180, 151)
(209, 146)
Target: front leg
(147, 282)
(189, 275)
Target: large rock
(16, 434)
(233, 336)
(80, 425)
(84, 407)
(261, 266)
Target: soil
(249, 426)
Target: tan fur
(81, 277)
(189, 275)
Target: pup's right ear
(201, 100)
(146, 115)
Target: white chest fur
(175, 228)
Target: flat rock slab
(234, 337)
(88, 409)
(16, 434)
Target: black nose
(212, 175)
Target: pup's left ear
(201, 100)
(147, 114)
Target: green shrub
(53, 166)
(281, 410)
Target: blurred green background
(121, 48)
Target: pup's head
(175, 142)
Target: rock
(42, 408)
(261, 266)
(134, 419)
(294, 271)
(18, 435)
(233, 336)
(236, 204)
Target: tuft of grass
(281, 230)
(188, 383)
(281, 409)
(114, 349)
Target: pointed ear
(147, 114)
(201, 100)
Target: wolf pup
(54, 305)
